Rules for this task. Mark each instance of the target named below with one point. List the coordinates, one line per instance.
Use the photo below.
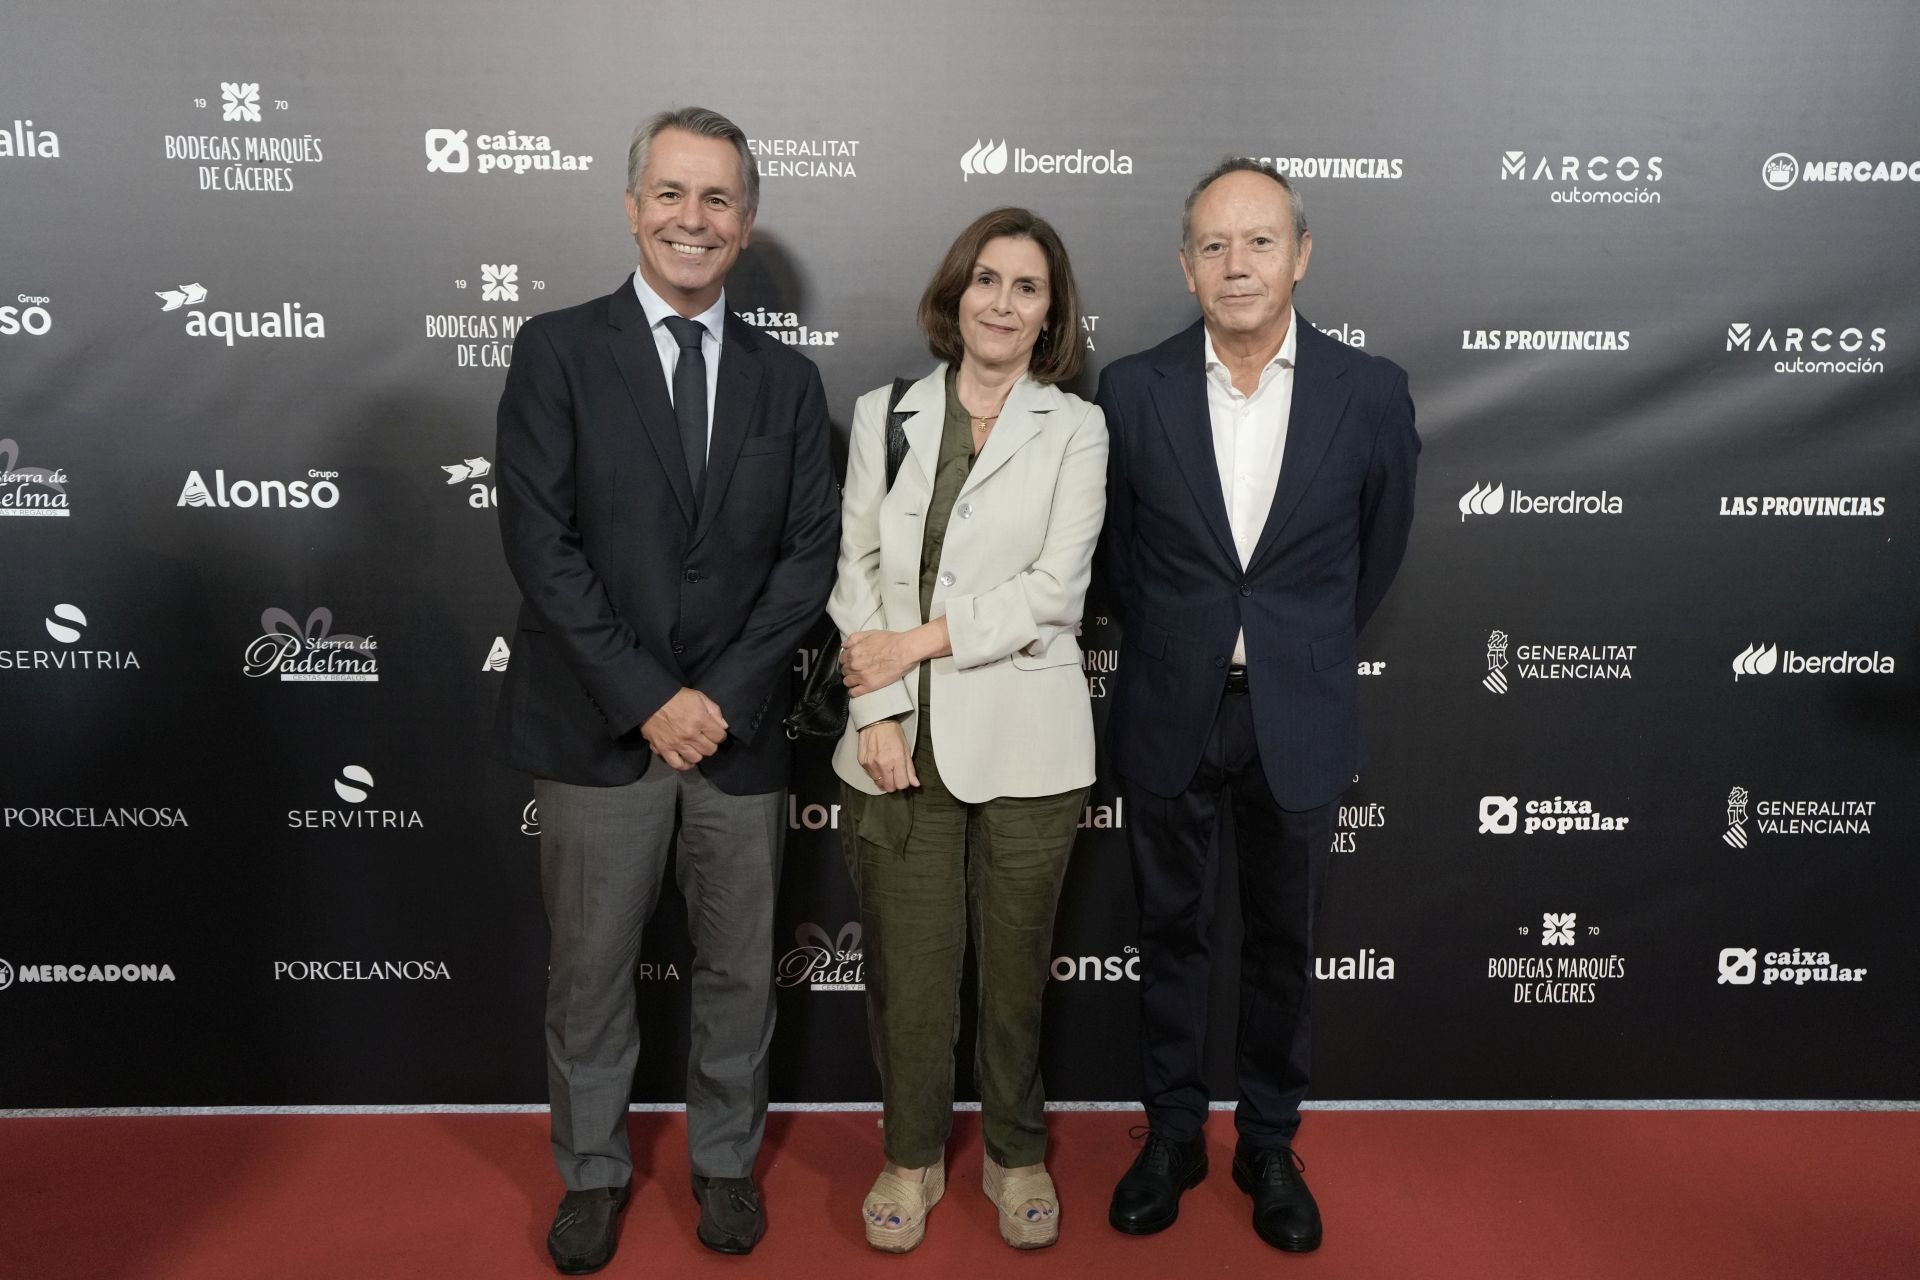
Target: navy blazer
(1169, 570)
(628, 591)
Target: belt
(1236, 679)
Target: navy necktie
(690, 396)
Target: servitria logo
(355, 787)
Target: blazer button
(946, 579)
(693, 575)
(966, 511)
(679, 648)
(1219, 662)
(1246, 591)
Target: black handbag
(820, 708)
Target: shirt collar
(713, 319)
(1283, 357)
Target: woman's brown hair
(1057, 356)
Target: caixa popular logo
(66, 624)
(355, 787)
(292, 320)
(1765, 659)
(1505, 815)
(821, 963)
(1794, 967)
(317, 490)
(520, 154)
(30, 491)
(309, 652)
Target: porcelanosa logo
(309, 652)
(786, 326)
(67, 625)
(292, 320)
(821, 963)
(518, 154)
(1832, 348)
(1780, 171)
(1794, 817)
(361, 971)
(1558, 976)
(317, 490)
(987, 158)
(1587, 179)
(805, 157)
(354, 786)
(1505, 815)
(1765, 659)
(1553, 662)
(1492, 500)
(1793, 967)
(30, 491)
(43, 973)
(21, 140)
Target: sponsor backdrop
(1640, 815)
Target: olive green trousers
(933, 871)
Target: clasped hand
(872, 660)
(687, 730)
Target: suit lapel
(1020, 421)
(1319, 397)
(734, 392)
(925, 407)
(638, 359)
(1180, 399)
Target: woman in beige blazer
(969, 750)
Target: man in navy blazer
(668, 509)
(1259, 493)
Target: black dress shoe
(1284, 1214)
(586, 1229)
(1148, 1197)
(731, 1219)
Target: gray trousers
(603, 858)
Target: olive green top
(949, 476)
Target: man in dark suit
(1259, 492)
(668, 509)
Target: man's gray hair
(1242, 164)
(705, 123)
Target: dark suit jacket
(629, 592)
(1331, 544)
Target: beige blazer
(1009, 707)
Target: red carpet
(1565, 1195)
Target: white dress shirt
(1249, 439)
(713, 320)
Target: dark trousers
(991, 871)
(1282, 857)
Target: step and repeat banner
(1640, 818)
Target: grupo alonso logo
(822, 963)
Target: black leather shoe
(1284, 1214)
(1148, 1197)
(731, 1219)
(586, 1229)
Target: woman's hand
(884, 756)
(872, 660)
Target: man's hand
(884, 756)
(872, 660)
(687, 730)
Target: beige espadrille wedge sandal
(1011, 1191)
(906, 1226)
